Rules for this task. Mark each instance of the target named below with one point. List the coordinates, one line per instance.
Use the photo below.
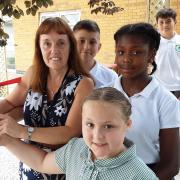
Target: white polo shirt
(168, 63)
(154, 108)
(103, 76)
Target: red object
(11, 81)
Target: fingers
(4, 139)
(4, 116)
(3, 127)
(10, 127)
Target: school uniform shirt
(168, 63)
(103, 76)
(74, 159)
(153, 108)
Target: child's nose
(86, 45)
(127, 57)
(98, 135)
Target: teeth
(98, 144)
(55, 59)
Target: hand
(4, 139)
(9, 126)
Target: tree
(11, 9)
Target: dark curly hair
(145, 31)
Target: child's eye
(92, 42)
(82, 41)
(108, 126)
(90, 125)
(134, 52)
(120, 53)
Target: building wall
(134, 11)
(175, 4)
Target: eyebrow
(47, 39)
(82, 37)
(132, 47)
(90, 120)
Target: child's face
(103, 129)
(88, 44)
(166, 27)
(132, 56)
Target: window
(71, 17)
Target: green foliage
(106, 7)
(11, 9)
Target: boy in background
(87, 34)
(168, 55)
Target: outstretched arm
(53, 135)
(168, 167)
(34, 157)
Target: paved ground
(8, 165)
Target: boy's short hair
(165, 13)
(87, 25)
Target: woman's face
(55, 49)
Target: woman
(52, 91)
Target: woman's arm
(169, 164)
(17, 97)
(16, 113)
(37, 159)
(59, 134)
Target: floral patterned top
(39, 112)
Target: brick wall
(175, 4)
(134, 11)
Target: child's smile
(132, 56)
(102, 124)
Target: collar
(173, 39)
(94, 69)
(146, 92)
(104, 164)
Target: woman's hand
(4, 140)
(9, 126)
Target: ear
(99, 47)
(152, 55)
(129, 123)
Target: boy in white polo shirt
(168, 55)
(87, 34)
